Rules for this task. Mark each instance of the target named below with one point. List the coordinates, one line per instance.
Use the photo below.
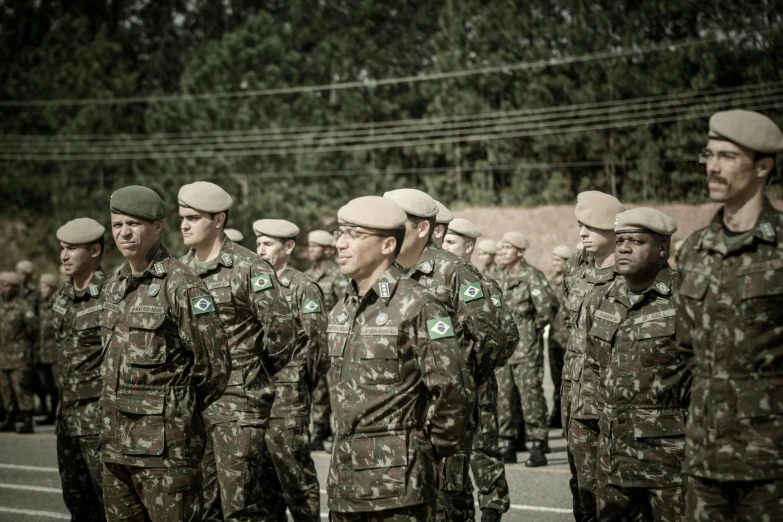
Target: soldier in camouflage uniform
(77, 309)
(486, 460)
(18, 330)
(261, 334)
(461, 289)
(325, 272)
(402, 390)
(288, 436)
(558, 333)
(630, 343)
(730, 325)
(29, 293)
(166, 362)
(46, 347)
(532, 303)
(583, 275)
(486, 251)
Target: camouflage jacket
(581, 280)
(461, 288)
(295, 383)
(18, 331)
(31, 294)
(401, 393)
(47, 342)
(630, 344)
(505, 321)
(730, 324)
(331, 281)
(166, 361)
(77, 329)
(532, 304)
(260, 329)
(558, 331)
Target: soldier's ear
(388, 246)
(469, 248)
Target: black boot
(546, 447)
(537, 457)
(490, 515)
(27, 423)
(8, 423)
(555, 420)
(520, 442)
(507, 450)
(320, 432)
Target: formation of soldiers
(185, 388)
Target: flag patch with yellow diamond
(261, 282)
(311, 306)
(471, 292)
(202, 304)
(440, 328)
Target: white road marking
(33, 513)
(28, 468)
(39, 489)
(541, 508)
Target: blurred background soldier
(485, 253)
(234, 235)
(29, 293)
(558, 333)
(729, 314)
(46, 350)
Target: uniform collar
(764, 230)
(426, 263)
(157, 267)
(225, 257)
(383, 288)
(286, 276)
(93, 288)
(663, 286)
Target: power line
(537, 64)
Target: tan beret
(748, 129)
(204, 196)
(80, 231)
(234, 235)
(444, 215)
(25, 266)
(488, 246)
(373, 212)
(275, 228)
(516, 239)
(563, 251)
(51, 280)
(463, 227)
(414, 202)
(644, 219)
(11, 278)
(596, 209)
(320, 237)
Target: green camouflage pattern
(730, 326)
(296, 478)
(81, 476)
(16, 390)
(486, 462)
(619, 503)
(47, 352)
(708, 500)
(400, 392)
(164, 366)
(417, 513)
(19, 330)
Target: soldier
(234, 235)
(18, 329)
(261, 335)
(288, 435)
(442, 220)
(29, 292)
(520, 383)
(76, 323)
(486, 251)
(729, 316)
(630, 343)
(325, 272)
(46, 347)
(166, 362)
(402, 389)
(558, 333)
(585, 273)
(486, 460)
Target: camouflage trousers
(740, 501)
(81, 476)
(582, 441)
(294, 469)
(134, 494)
(235, 475)
(419, 513)
(620, 504)
(321, 404)
(521, 395)
(556, 361)
(573, 484)
(46, 379)
(16, 389)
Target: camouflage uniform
(730, 324)
(557, 342)
(18, 331)
(260, 330)
(288, 437)
(533, 305)
(166, 361)
(401, 392)
(46, 355)
(581, 280)
(30, 293)
(630, 344)
(77, 328)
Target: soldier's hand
(490, 515)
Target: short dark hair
(418, 219)
(101, 242)
(399, 235)
(212, 216)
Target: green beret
(488, 246)
(517, 240)
(279, 228)
(234, 235)
(25, 266)
(80, 231)
(51, 280)
(748, 129)
(563, 251)
(320, 237)
(644, 219)
(464, 228)
(596, 209)
(11, 278)
(414, 202)
(138, 201)
(373, 212)
(204, 196)
(444, 215)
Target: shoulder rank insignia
(767, 229)
(94, 290)
(470, 292)
(440, 328)
(311, 306)
(202, 304)
(261, 282)
(153, 290)
(158, 269)
(384, 289)
(496, 301)
(662, 288)
(226, 259)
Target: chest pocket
(574, 304)
(603, 331)
(655, 336)
(87, 324)
(695, 281)
(221, 294)
(376, 358)
(146, 339)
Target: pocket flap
(146, 319)
(384, 451)
(288, 374)
(237, 377)
(651, 423)
(387, 350)
(148, 404)
(760, 402)
(695, 281)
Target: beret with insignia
(516, 239)
(373, 212)
(414, 202)
(25, 267)
(11, 278)
(138, 201)
(80, 231)
(275, 228)
(320, 237)
(464, 228)
(644, 219)
(444, 215)
(488, 246)
(748, 129)
(204, 196)
(563, 251)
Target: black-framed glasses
(354, 235)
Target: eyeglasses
(354, 235)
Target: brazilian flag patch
(202, 304)
(440, 328)
(496, 301)
(261, 282)
(311, 306)
(471, 292)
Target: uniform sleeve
(544, 300)
(271, 308)
(204, 336)
(313, 317)
(507, 324)
(568, 271)
(684, 324)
